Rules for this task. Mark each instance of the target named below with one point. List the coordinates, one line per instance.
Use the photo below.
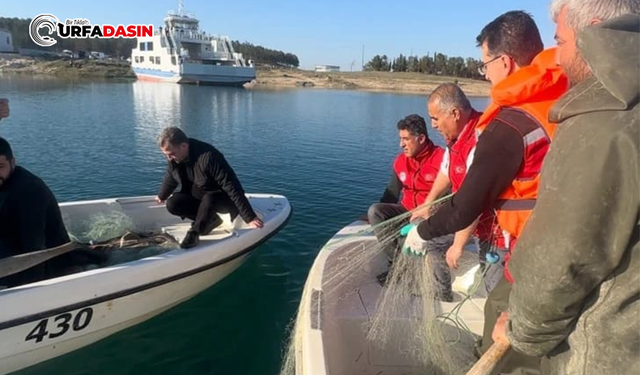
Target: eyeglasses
(482, 69)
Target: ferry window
(173, 60)
(149, 46)
(141, 59)
(142, 46)
(158, 60)
(137, 59)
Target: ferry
(180, 52)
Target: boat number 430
(60, 325)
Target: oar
(490, 359)
(18, 263)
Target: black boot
(190, 240)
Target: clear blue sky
(318, 32)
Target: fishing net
(105, 226)
(113, 235)
(406, 320)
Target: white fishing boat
(336, 312)
(46, 319)
(180, 52)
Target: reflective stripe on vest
(535, 136)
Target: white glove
(414, 244)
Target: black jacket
(30, 220)
(206, 171)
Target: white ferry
(179, 52)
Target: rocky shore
(66, 68)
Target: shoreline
(65, 68)
(388, 82)
(266, 78)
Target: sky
(329, 32)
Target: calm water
(329, 152)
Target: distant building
(6, 41)
(326, 68)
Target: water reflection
(155, 106)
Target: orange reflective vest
(533, 90)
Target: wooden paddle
(490, 359)
(18, 263)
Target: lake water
(329, 152)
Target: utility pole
(363, 57)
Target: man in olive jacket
(575, 299)
(209, 185)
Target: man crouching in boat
(30, 220)
(209, 185)
(414, 172)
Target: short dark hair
(5, 149)
(515, 34)
(173, 135)
(415, 124)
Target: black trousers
(203, 210)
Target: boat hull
(338, 303)
(44, 320)
(200, 74)
(108, 317)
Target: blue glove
(405, 230)
(492, 257)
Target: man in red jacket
(452, 115)
(414, 172)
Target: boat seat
(179, 230)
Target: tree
(440, 62)
(400, 64)
(375, 64)
(262, 55)
(413, 64)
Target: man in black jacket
(30, 220)
(209, 185)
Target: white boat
(46, 319)
(179, 52)
(336, 311)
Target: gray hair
(580, 13)
(173, 135)
(449, 96)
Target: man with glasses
(514, 137)
(575, 299)
(414, 171)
